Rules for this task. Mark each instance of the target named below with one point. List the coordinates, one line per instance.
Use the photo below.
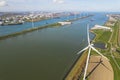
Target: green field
(112, 52)
(111, 39)
(102, 36)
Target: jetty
(101, 27)
(65, 23)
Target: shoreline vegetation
(111, 39)
(80, 18)
(76, 72)
(29, 30)
(37, 28)
(112, 52)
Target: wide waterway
(45, 54)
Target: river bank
(77, 70)
(112, 42)
(29, 30)
(80, 18)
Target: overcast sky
(64, 5)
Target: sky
(60, 5)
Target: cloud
(2, 3)
(58, 1)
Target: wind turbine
(89, 47)
(32, 20)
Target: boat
(92, 19)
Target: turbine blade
(88, 35)
(86, 66)
(98, 52)
(82, 50)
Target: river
(45, 54)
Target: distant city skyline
(60, 5)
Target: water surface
(45, 54)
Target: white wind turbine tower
(89, 47)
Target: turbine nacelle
(92, 44)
